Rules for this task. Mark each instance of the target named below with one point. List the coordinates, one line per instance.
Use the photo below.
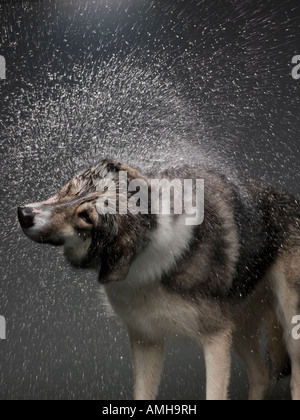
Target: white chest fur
(168, 243)
(140, 301)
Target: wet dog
(216, 281)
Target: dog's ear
(113, 167)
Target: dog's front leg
(217, 351)
(148, 360)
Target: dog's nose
(26, 217)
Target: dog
(216, 282)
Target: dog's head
(91, 238)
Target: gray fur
(215, 283)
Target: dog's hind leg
(250, 317)
(148, 360)
(217, 352)
(279, 360)
(248, 349)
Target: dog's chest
(167, 245)
(151, 311)
(142, 303)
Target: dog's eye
(86, 217)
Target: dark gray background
(146, 81)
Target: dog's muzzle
(26, 217)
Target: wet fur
(216, 283)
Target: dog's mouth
(44, 239)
